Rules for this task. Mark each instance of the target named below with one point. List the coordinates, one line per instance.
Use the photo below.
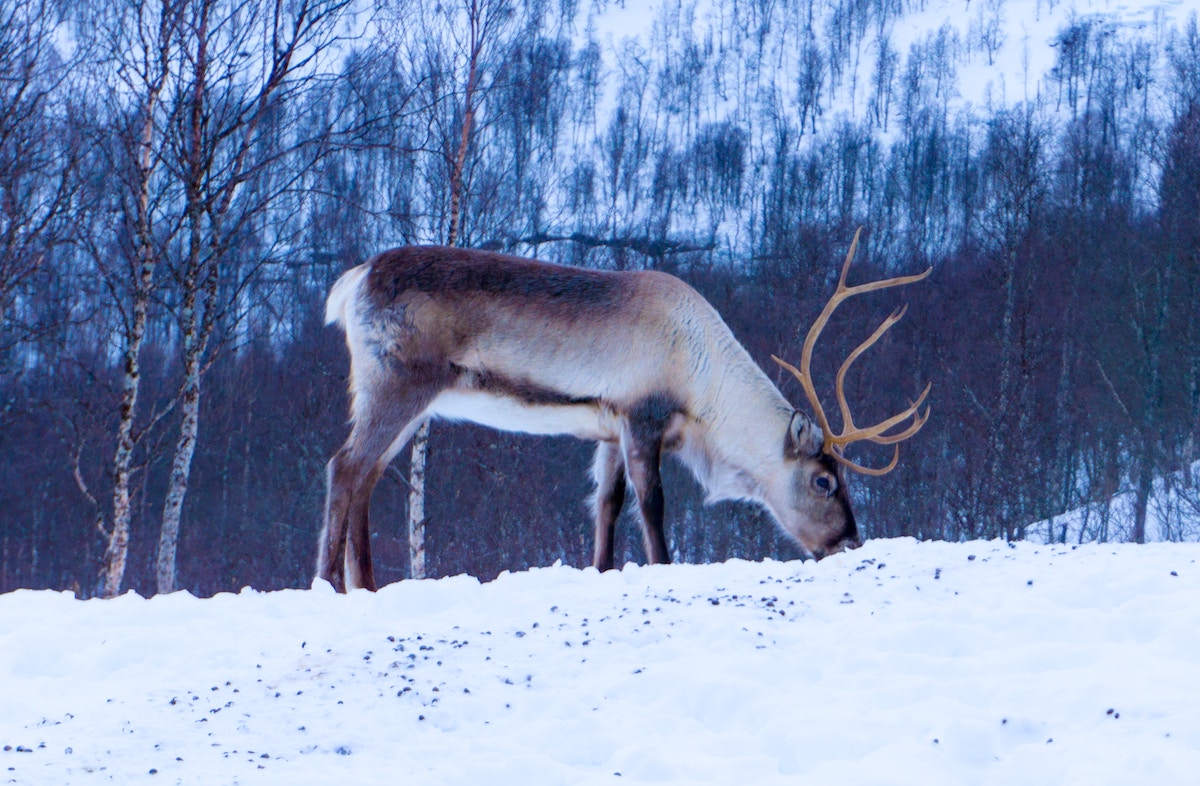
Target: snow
(806, 74)
(1172, 513)
(901, 662)
(1024, 36)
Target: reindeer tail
(343, 293)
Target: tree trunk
(181, 468)
(1065, 445)
(115, 554)
(193, 342)
(1002, 451)
(420, 445)
(1145, 485)
(113, 569)
(197, 331)
(416, 504)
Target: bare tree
(191, 110)
(37, 159)
(1014, 166)
(242, 64)
(449, 48)
(137, 43)
(1180, 195)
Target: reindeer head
(814, 506)
(809, 497)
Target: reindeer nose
(846, 544)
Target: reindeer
(636, 361)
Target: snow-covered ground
(902, 662)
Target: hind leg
(331, 547)
(344, 557)
(360, 570)
(609, 472)
(381, 429)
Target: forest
(181, 181)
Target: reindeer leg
(360, 571)
(332, 546)
(642, 459)
(609, 472)
(642, 444)
(385, 425)
(344, 547)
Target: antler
(834, 444)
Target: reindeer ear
(803, 437)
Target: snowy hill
(903, 662)
(983, 54)
(1172, 513)
(807, 78)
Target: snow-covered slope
(992, 53)
(903, 662)
(765, 89)
(1172, 513)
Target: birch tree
(37, 163)
(1014, 167)
(242, 64)
(137, 42)
(465, 39)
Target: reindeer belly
(585, 419)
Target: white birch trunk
(112, 569)
(194, 340)
(416, 503)
(181, 467)
(476, 13)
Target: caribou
(636, 361)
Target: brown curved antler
(835, 443)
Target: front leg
(642, 458)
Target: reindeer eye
(824, 484)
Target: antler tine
(833, 443)
(919, 419)
(811, 393)
(849, 258)
(876, 433)
(869, 470)
(840, 387)
(803, 374)
(844, 291)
